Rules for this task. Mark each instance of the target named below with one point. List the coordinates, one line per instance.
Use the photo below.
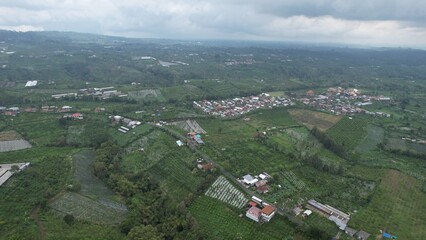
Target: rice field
(310, 119)
(224, 191)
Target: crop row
(224, 191)
(291, 177)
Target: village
(239, 106)
(340, 101)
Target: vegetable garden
(223, 190)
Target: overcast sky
(367, 22)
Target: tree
(69, 219)
(144, 233)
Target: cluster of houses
(259, 210)
(340, 218)
(195, 137)
(13, 111)
(101, 93)
(238, 106)
(126, 123)
(259, 183)
(340, 101)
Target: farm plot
(84, 208)
(310, 119)
(175, 177)
(190, 126)
(290, 185)
(223, 190)
(7, 146)
(398, 205)
(7, 84)
(348, 132)
(374, 136)
(220, 221)
(146, 94)
(9, 136)
(93, 201)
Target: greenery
(86, 180)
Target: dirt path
(40, 225)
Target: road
(225, 172)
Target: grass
(398, 206)
(310, 119)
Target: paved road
(224, 171)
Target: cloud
(22, 28)
(375, 22)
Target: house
(307, 213)
(263, 189)
(264, 176)
(77, 116)
(361, 235)
(351, 232)
(297, 211)
(261, 183)
(268, 212)
(254, 213)
(249, 179)
(205, 166)
(179, 143)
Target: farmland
(224, 191)
(87, 180)
(348, 132)
(310, 119)
(93, 202)
(397, 199)
(220, 221)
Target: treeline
(152, 213)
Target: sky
(387, 23)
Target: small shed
(349, 231)
(361, 235)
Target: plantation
(224, 191)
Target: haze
(371, 23)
